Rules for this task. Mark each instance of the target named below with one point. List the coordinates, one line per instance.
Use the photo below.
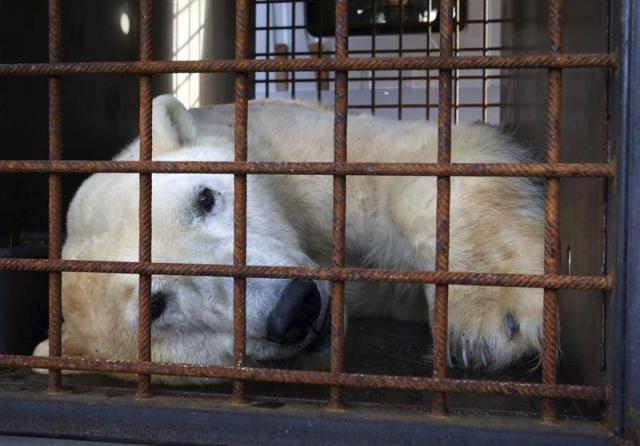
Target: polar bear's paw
(492, 335)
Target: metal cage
(171, 419)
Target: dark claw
(485, 353)
(510, 325)
(540, 337)
(466, 353)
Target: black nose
(298, 307)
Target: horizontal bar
(404, 77)
(424, 105)
(585, 60)
(315, 168)
(367, 26)
(551, 281)
(309, 377)
(392, 51)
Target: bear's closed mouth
(322, 338)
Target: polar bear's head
(193, 222)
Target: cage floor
(372, 346)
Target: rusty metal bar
(551, 208)
(144, 205)
(240, 201)
(313, 168)
(440, 322)
(553, 281)
(576, 60)
(339, 200)
(55, 193)
(313, 378)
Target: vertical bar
(552, 197)
(293, 46)
(623, 304)
(428, 72)
(442, 207)
(268, 44)
(339, 201)
(55, 193)
(144, 205)
(240, 201)
(319, 74)
(485, 98)
(456, 73)
(400, 54)
(374, 34)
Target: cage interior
(512, 99)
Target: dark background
(100, 112)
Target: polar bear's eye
(206, 200)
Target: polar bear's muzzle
(295, 313)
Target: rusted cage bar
(440, 325)
(582, 60)
(554, 281)
(144, 209)
(240, 200)
(339, 201)
(312, 168)
(316, 378)
(552, 204)
(55, 193)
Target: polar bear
(497, 226)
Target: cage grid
(448, 61)
(479, 103)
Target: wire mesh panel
(330, 69)
(389, 28)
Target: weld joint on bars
(575, 60)
(550, 281)
(312, 168)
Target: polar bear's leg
(495, 228)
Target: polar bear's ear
(173, 125)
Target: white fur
(496, 226)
